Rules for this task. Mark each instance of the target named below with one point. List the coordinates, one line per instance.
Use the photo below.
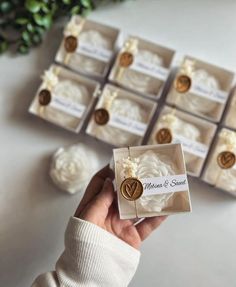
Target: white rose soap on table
(88, 46)
(120, 118)
(142, 66)
(64, 98)
(220, 170)
(201, 88)
(72, 167)
(193, 133)
(151, 181)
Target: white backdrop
(195, 249)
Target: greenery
(24, 22)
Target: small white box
(194, 133)
(159, 184)
(142, 66)
(88, 47)
(127, 117)
(201, 88)
(220, 170)
(64, 98)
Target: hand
(99, 207)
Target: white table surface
(197, 249)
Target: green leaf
(21, 21)
(38, 19)
(23, 49)
(48, 21)
(26, 37)
(3, 46)
(86, 12)
(44, 21)
(30, 28)
(54, 7)
(75, 10)
(40, 30)
(67, 2)
(45, 8)
(32, 6)
(5, 6)
(36, 39)
(86, 3)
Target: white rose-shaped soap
(72, 167)
(96, 39)
(116, 136)
(74, 93)
(179, 127)
(196, 103)
(141, 82)
(150, 165)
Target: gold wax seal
(101, 116)
(131, 188)
(226, 159)
(44, 97)
(183, 83)
(126, 59)
(70, 44)
(164, 136)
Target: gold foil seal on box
(183, 83)
(131, 188)
(226, 159)
(126, 59)
(44, 97)
(70, 44)
(164, 136)
(101, 116)
(72, 32)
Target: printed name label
(127, 124)
(150, 69)
(191, 146)
(165, 184)
(214, 95)
(98, 53)
(67, 106)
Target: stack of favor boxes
(127, 93)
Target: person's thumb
(96, 211)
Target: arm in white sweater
(92, 257)
(100, 248)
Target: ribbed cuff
(81, 230)
(94, 257)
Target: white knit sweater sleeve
(92, 257)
